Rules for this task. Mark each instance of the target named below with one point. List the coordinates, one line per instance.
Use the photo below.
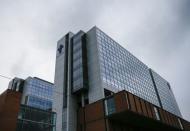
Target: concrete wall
(59, 87)
(64, 102)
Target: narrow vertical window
(127, 99)
(179, 121)
(157, 114)
(110, 106)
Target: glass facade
(110, 106)
(34, 119)
(120, 70)
(166, 95)
(38, 93)
(79, 65)
(39, 103)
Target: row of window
(121, 70)
(36, 90)
(39, 103)
(39, 82)
(37, 116)
(77, 63)
(166, 95)
(123, 76)
(77, 55)
(77, 84)
(123, 58)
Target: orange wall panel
(149, 110)
(98, 125)
(121, 101)
(138, 105)
(132, 102)
(94, 111)
(144, 108)
(9, 110)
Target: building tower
(91, 66)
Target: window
(181, 126)
(127, 99)
(110, 106)
(121, 70)
(157, 114)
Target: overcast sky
(155, 31)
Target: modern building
(37, 93)
(91, 66)
(27, 106)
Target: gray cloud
(157, 32)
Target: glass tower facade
(120, 70)
(37, 93)
(165, 93)
(79, 63)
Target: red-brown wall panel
(121, 102)
(132, 102)
(153, 112)
(148, 110)
(163, 118)
(98, 125)
(81, 116)
(170, 121)
(138, 105)
(9, 110)
(144, 107)
(94, 111)
(166, 117)
(176, 121)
